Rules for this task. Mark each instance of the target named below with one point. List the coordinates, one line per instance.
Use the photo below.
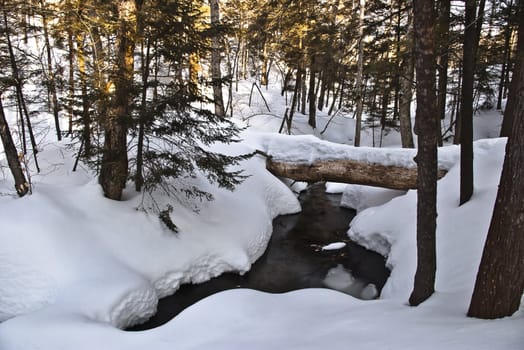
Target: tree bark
(406, 88)
(51, 82)
(21, 185)
(348, 171)
(114, 167)
(360, 69)
(466, 105)
(426, 129)
(505, 63)
(216, 74)
(20, 94)
(444, 20)
(511, 103)
(500, 279)
(312, 117)
(85, 115)
(71, 80)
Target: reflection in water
(295, 259)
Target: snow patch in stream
(341, 279)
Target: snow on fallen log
(306, 158)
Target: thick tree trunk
(216, 74)
(426, 129)
(500, 279)
(21, 185)
(348, 171)
(114, 168)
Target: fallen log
(348, 171)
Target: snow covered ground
(75, 267)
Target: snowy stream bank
(309, 249)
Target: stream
(294, 259)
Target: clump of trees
(131, 87)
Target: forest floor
(77, 268)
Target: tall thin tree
(466, 104)
(216, 74)
(360, 69)
(406, 88)
(21, 184)
(426, 129)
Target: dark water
(293, 259)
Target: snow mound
(134, 308)
(361, 197)
(341, 279)
(18, 283)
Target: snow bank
(75, 266)
(67, 247)
(390, 229)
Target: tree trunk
(265, 66)
(323, 87)
(406, 88)
(51, 83)
(444, 19)
(456, 111)
(312, 118)
(500, 279)
(360, 69)
(303, 93)
(20, 94)
(86, 115)
(294, 101)
(114, 167)
(426, 129)
(146, 61)
(511, 103)
(466, 104)
(216, 74)
(505, 63)
(71, 81)
(21, 185)
(348, 171)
